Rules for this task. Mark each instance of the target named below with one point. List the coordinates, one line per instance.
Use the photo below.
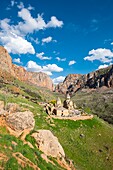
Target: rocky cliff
(97, 79)
(9, 71)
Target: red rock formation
(7, 68)
(5, 61)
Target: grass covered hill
(87, 144)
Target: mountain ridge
(96, 79)
(8, 70)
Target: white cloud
(22, 29)
(72, 62)
(21, 5)
(30, 7)
(52, 68)
(101, 54)
(16, 44)
(103, 66)
(13, 2)
(58, 79)
(47, 40)
(112, 43)
(41, 57)
(35, 40)
(48, 69)
(56, 53)
(31, 24)
(54, 22)
(60, 59)
(17, 60)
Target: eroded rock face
(9, 70)
(21, 120)
(48, 143)
(39, 79)
(69, 83)
(43, 80)
(5, 61)
(97, 79)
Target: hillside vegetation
(98, 102)
(88, 143)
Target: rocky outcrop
(5, 61)
(20, 121)
(9, 71)
(97, 79)
(39, 79)
(48, 143)
(70, 82)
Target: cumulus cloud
(31, 24)
(54, 22)
(16, 44)
(48, 69)
(47, 40)
(42, 57)
(112, 43)
(103, 66)
(60, 59)
(27, 26)
(102, 54)
(17, 60)
(58, 79)
(72, 62)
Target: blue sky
(58, 37)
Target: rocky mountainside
(97, 79)
(8, 70)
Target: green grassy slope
(98, 102)
(88, 143)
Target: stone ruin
(66, 109)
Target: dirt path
(75, 118)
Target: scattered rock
(100, 150)
(21, 120)
(82, 135)
(12, 107)
(1, 104)
(3, 112)
(48, 143)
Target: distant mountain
(9, 71)
(96, 79)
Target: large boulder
(48, 143)
(21, 120)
